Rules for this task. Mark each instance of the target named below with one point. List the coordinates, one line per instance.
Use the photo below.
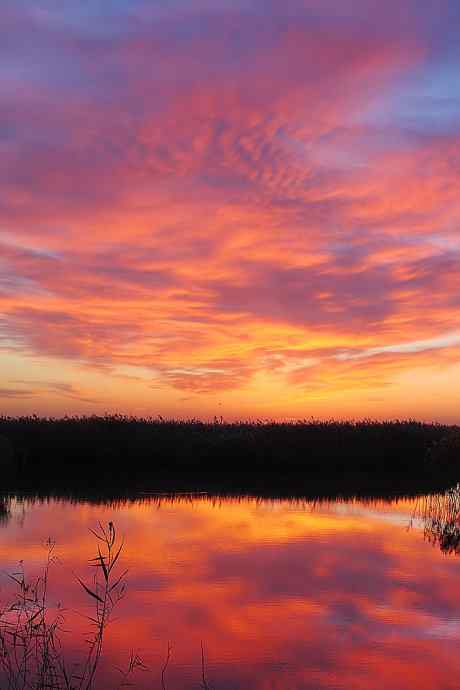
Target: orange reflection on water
(282, 595)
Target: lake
(277, 594)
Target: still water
(282, 595)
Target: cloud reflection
(283, 594)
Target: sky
(242, 209)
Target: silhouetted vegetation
(440, 514)
(126, 450)
(32, 655)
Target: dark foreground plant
(31, 654)
(106, 590)
(440, 514)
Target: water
(282, 595)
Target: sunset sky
(241, 208)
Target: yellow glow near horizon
(268, 229)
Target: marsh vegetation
(129, 451)
(31, 652)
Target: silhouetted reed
(31, 653)
(32, 656)
(440, 515)
(128, 451)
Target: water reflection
(284, 594)
(4, 511)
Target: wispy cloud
(441, 342)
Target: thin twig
(204, 682)
(165, 666)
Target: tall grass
(128, 450)
(31, 653)
(440, 514)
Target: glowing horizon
(247, 209)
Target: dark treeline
(126, 450)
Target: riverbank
(128, 452)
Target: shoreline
(127, 454)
